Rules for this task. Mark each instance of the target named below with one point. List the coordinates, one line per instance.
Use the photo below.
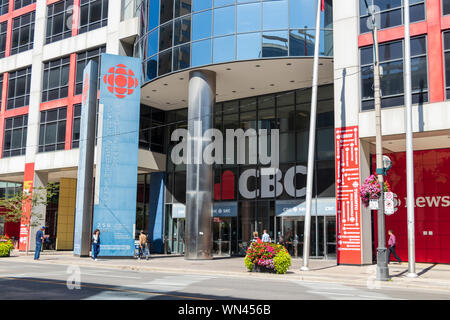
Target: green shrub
(282, 262)
(5, 246)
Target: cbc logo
(120, 81)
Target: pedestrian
(95, 244)
(265, 236)
(391, 243)
(256, 238)
(143, 246)
(39, 240)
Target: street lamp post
(382, 268)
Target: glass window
(15, 139)
(182, 7)
(59, 21)
(224, 21)
(447, 62)
(201, 5)
(56, 79)
(93, 15)
(4, 6)
(3, 28)
(301, 14)
(182, 33)
(223, 49)
(153, 42)
(181, 57)
(392, 82)
(165, 36)
(23, 33)
(201, 53)
(222, 3)
(391, 13)
(165, 62)
(446, 7)
(275, 15)
(153, 14)
(201, 25)
(83, 59)
(77, 124)
(249, 17)
(166, 11)
(249, 46)
(275, 44)
(19, 88)
(22, 3)
(301, 42)
(151, 67)
(52, 133)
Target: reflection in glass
(201, 25)
(153, 14)
(275, 15)
(201, 53)
(221, 3)
(153, 43)
(302, 14)
(223, 49)
(182, 7)
(151, 67)
(201, 5)
(275, 44)
(249, 46)
(166, 11)
(165, 62)
(181, 57)
(224, 21)
(182, 31)
(249, 17)
(165, 36)
(301, 42)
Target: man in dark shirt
(39, 240)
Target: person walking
(256, 238)
(95, 244)
(143, 246)
(391, 243)
(265, 236)
(39, 240)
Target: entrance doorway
(290, 232)
(222, 236)
(178, 235)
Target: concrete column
(38, 217)
(199, 180)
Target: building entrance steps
(431, 276)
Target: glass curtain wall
(288, 112)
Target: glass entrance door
(222, 236)
(178, 235)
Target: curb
(397, 283)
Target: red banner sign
(347, 196)
(25, 220)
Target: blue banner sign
(293, 208)
(117, 160)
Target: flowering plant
(270, 256)
(371, 189)
(5, 246)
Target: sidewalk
(431, 276)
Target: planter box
(257, 268)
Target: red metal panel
(347, 196)
(432, 205)
(392, 34)
(24, 223)
(76, 17)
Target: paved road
(38, 280)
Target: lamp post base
(304, 268)
(382, 268)
(411, 275)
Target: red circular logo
(120, 81)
